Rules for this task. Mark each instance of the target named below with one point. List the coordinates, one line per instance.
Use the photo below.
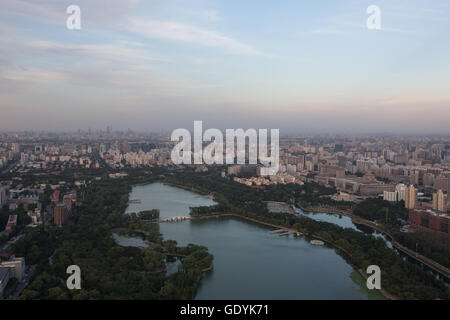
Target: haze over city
(301, 66)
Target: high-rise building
(15, 147)
(435, 201)
(428, 179)
(401, 192)
(439, 201)
(60, 214)
(398, 195)
(441, 182)
(414, 178)
(309, 166)
(410, 199)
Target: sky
(298, 66)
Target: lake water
(344, 222)
(249, 262)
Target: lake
(249, 262)
(344, 222)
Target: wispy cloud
(99, 52)
(168, 30)
(115, 14)
(94, 13)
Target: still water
(344, 222)
(249, 262)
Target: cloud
(118, 65)
(16, 52)
(115, 14)
(99, 52)
(34, 9)
(168, 30)
(126, 69)
(94, 12)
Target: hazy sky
(307, 66)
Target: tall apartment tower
(439, 201)
(435, 200)
(401, 192)
(410, 201)
(60, 214)
(414, 178)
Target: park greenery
(390, 213)
(109, 271)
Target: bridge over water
(175, 219)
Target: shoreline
(437, 267)
(203, 193)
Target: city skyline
(152, 66)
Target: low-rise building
(16, 267)
(375, 189)
(428, 220)
(4, 278)
(390, 196)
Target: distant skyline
(300, 66)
